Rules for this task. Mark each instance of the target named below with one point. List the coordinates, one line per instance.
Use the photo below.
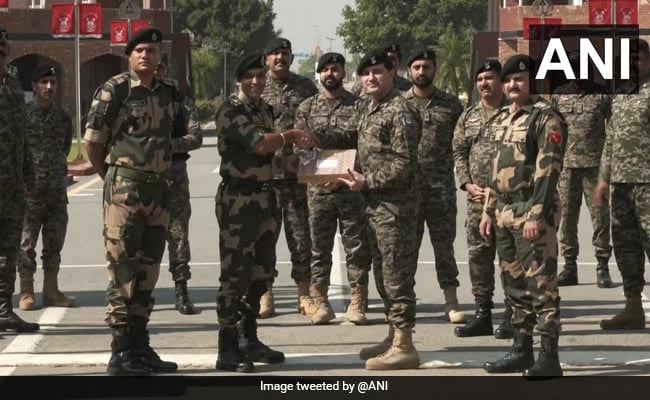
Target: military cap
(42, 72)
(393, 48)
(374, 57)
(330, 58)
(277, 43)
(517, 63)
(248, 62)
(489, 65)
(4, 35)
(150, 35)
(421, 54)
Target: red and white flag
(63, 20)
(600, 12)
(90, 21)
(139, 24)
(627, 12)
(4, 4)
(119, 32)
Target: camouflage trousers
(180, 210)
(292, 200)
(481, 257)
(529, 274)
(438, 210)
(248, 228)
(49, 214)
(392, 233)
(135, 222)
(12, 209)
(325, 209)
(574, 184)
(631, 233)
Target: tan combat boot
(27, 291)
(452, 310)
(631, 317)
(267, 306)
(358, 304)
(380, 348)
(306, 305)
(324, 313)
(401, 354)
(52, 296)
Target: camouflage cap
(248, 62)
(277, 43)
(517, 63)
(374, 57)
(150, 35)
(330, 58)
(42, 72)
(421, 54)
(489, 65)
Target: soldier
(186, 136)
(585, 105)
(128, 140)
(334, 108)
(49, 133)
(16, 178)
(524, 203)
(284, 92)
(625, 166)
(394, 52)
(473, 154)
(246, 209)
(439, 112)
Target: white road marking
(339, 289)
(216, 170)
(645, 302)
(85, 186)
(81, 194)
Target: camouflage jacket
(186, 132)
(625, 157)
(49, 133)
(435, 158)
(135, 123)
(526, 168)
(240, 125)
(402, 84)
(585, 115)
(16, 164)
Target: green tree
(453, 59)
(307, 66)
(205, 65)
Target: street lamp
(224, 47)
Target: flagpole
(77, 78)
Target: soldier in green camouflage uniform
(334, 108)
(128, 139)
(49, 132)
(625, 167)
(16, 175)
(284, 92)
(439, 112)
(524, 203)
(394, 52)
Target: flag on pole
(63, 20)
(600, 12)
(119, 32)
(533, 31)
(4, 5)
(90, 20)
(139, 24)
(627, 12)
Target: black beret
(327, 58)
(489, 65)
(517, 63)
(421, 54)
(4, 35)
(278, 43)
(150, 35)
(42, 72)
(374, 57)
(248, 62)
(393, 48)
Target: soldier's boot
(143, 350)
(10, 321)
(367, 353)
(401, 354)
(505, 330)
(356, 312)
(569, 275)
(230, 356)
(253, 346)
(548, 361)
(306, 305)
(183, 303)
(27, 291)
(631, 317)
(267, 306)
(481, 325)
(123, 361)
(452, 309)
(519, 358)
(603, 279)
(52, 296)
(324, 313)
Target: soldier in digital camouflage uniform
(128, 140)
(523, 202)
(247, 212)
(329, 204)
(16, 177)
(439, 112)
(49, 132)
(473, 148)
(284, 92)
(394, 52)
(625, 167)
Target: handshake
(300, 138)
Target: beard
(332, 83)
(423, 82)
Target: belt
(138, 176)
(515, 197)
(247, 184)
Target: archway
(25, 65)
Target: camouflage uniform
(401, 83)
(435, 178)
(585, 114)
(49, 134)
(284, 98)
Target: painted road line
(85, 186)
(339, 289)
(81, 194)
(645, 302)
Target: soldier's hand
(302, 139)
(355, 181)
(531, 231)
(601, 194)
(475, 191)
(485, 228)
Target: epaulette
(168, 82)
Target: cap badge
(522, 66)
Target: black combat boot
(602, 273)
(230, 357)
(518, 359)
(183, 303)
(123, 361)
(9, 321)
(548, 362)
(251, 344)
(148, 356)
(481, 325)
(569, 275)
(505, 330)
